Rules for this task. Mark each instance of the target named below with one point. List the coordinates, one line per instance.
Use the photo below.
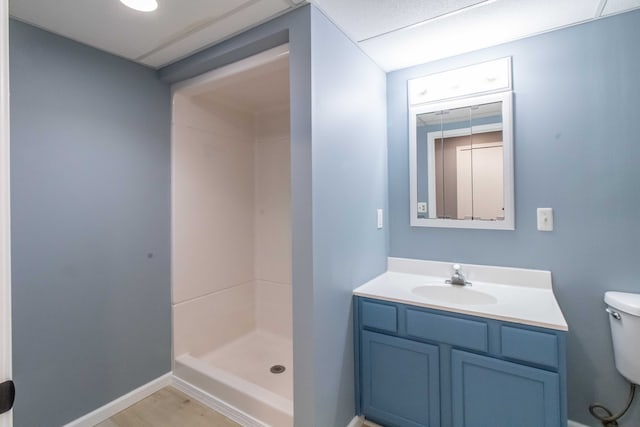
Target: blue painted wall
(349, 165)
(90, 178)
(576, 150)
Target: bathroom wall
(213, 224)
(90, 177)
(576, 150)
(349, 184)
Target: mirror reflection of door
(467, 174)
(461, 163)
(469, 179)
(480, 180)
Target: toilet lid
(624, 301)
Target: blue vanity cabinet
(420, 367)
(492, 392)
(400, 381)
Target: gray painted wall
(576, 150)
(349, 184)
(90, 176)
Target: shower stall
(231, 239)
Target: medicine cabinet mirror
(461, 163)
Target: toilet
(624, 319)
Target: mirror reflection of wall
(464, 148)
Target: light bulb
(141, 5)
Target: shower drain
(277, 369)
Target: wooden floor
(168, 408)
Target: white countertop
(529, 300)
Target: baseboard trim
(216, 404)
(575, 424)
(121, 403)
(360, 421)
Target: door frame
(5, 228)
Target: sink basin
(462, 295)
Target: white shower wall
(272, 222)
(231, 224)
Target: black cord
(610, 420)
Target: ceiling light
(141, 5)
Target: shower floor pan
(239, 374)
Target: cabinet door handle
(613, 314)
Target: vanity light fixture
(486, 77)
(141, 5)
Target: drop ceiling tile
(488, 25)
(250, 16)
(362, 19)
(176, 29)
(395, 33)
(111, 26)
(617, 6)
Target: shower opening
(231, 239)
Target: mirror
(462, 163)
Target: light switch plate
(380, 219)
(545, 219)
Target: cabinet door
(490, 392)
(400, 381)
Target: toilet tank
(624, 319)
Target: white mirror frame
(508, 223)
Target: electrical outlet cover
(545, 219)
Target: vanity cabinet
(400, 380)
(490, 392)
(419, 367)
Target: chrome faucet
(457, 278)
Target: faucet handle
(456, 268)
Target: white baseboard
(121, 403)
(216, 404)
(575, 424)
(362, 422)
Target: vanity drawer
(458, 332)
(379, 316)
(529, 346)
